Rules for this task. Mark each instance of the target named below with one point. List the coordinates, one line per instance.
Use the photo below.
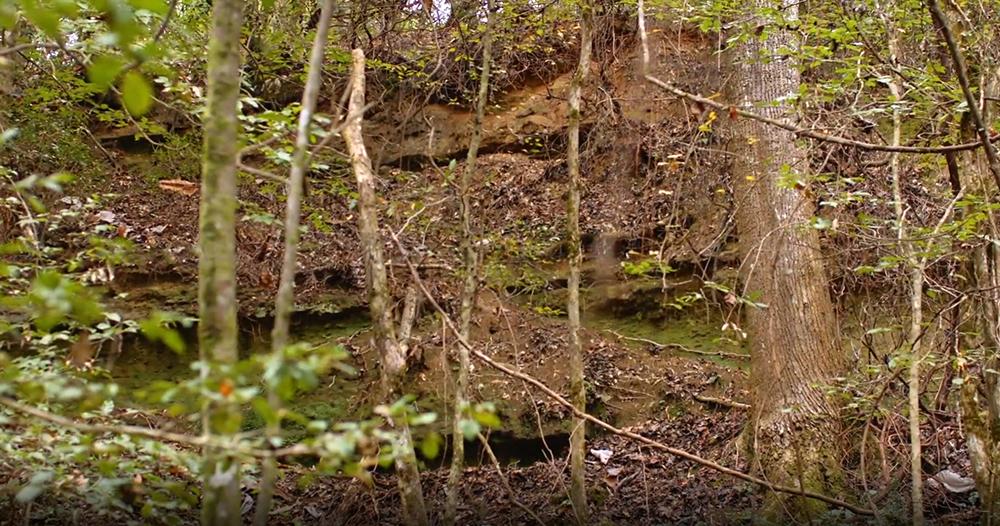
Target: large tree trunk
(392, 355)
(217, 337)
(794, 349)
(470, 279)
(578, 392)
(285, 299)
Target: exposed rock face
(617, 92)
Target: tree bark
(285, 299)
(468, 297)
(794, 349)
(392, 355)
(217, 338)
(578, 392)
(980, 397)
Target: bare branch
(22, 47)
(682, 348)
(261, 173)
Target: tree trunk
(285, 299)
(217, 337)
(391, 354)
(470, 278)
(980, 397)
(916, 269)
(794, 349)
(578, 391)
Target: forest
(499, 262)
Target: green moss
(689, 332)
(675, 411)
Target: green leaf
(470, 428)
(137, 93)
(173, 340)
(156, 328)
(29, 493)
(155, 6)
(103, 71)
(431, 446)
(8, 16)
(66, 8)
(8, 135)
(264, 410)
(423, 419)
(487, 418)
(35, 487)
(47, 20)
(821, 223)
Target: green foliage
(546, 310)
(477, 416)
(502, 276)
(646, 267)
(62, 327)
(137, 93)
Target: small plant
(545, 310)
(646, 267)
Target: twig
(100, 146)
(156, 434)
(21, 47)
(606, 426)
(251, 148)
(166, 21)
(261, 173)
(679, 347)
(336, 129)
(31, 226)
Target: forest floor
(646, 388)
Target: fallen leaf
(180, 186)
(954, 482)
(226, 387)
(81, 353)
(604, 455)
(107, 216)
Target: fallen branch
(601, 423)
(679, 347)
